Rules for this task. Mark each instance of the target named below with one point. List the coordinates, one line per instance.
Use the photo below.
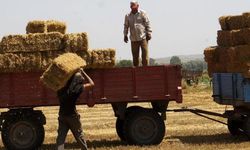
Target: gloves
(125, 38)
(148, 37)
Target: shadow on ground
(91, 144)
(223, 138)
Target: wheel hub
(145, 128)
(22, 134)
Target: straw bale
(214, 67)
(76, 42)
(61, 70)
(36, 26)
(242, 53)
(235, 22)
(236, 67)
(56, 26)
(48, 56)
(209, 54)
(103, 58)
(246, 16)
(223, 23)
(245, 35)
(86, 55)
(224, 38)
(32, 42)
(20, 62)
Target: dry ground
(183, 130)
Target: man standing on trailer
(140, 33)
(68, 115)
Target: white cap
(134, 2)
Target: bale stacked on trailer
(36, 26)
(19, 50)
(76, 42)
(232, 55)
(20, 62)
(41, 26)
(103, 58)
(56, 26)
(61, 69)
(32, 42)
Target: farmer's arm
(90, 84)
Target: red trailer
(22, 127)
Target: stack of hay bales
(45, 41)
(232, 55)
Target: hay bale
(56, 26)
(20, 62)
(214, 67)
(47, 57)
(246, 16)
(61, 70)
(76, 42)
(223, 23)
(235, 22)
(242, 53)
(103, 58)
(36, 26)
(32, 42)
(224, 38)
(209, 54)
(86, 55)
(41, 26)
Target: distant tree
(152, 62)
(124, 63)
(175, 60)
(195, 65)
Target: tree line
(192, 65)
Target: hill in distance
(184, 58)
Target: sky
(180, 27)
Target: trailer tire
(144, 127)
(247, 127)
(234, 126)
(119, 129)
(22, 133)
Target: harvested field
(183, 130)
(103, 58)
(32, 42)
(76, 42)
(61, 69)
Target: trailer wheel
(234, 126)
(144, 127)
(119, 129)
(247, 127)
(22, 134)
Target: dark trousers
(135, 46)
(72, 123)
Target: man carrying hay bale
(68, 115)
(140, 33)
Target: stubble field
(183, 130)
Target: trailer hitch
(203, 113)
